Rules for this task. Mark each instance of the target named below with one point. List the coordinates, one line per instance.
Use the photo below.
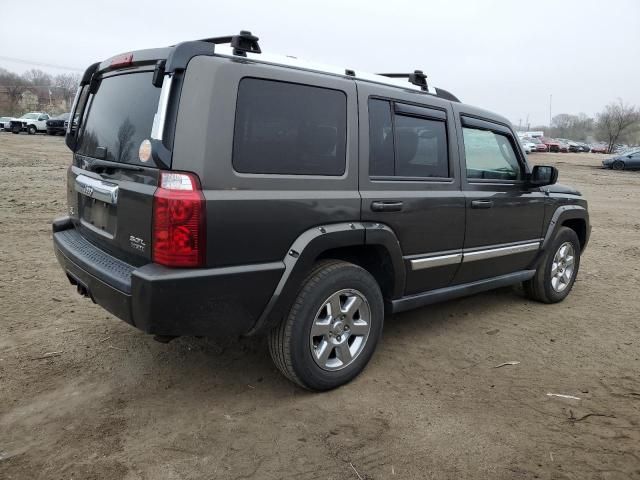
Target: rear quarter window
(289, 129)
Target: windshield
(119, 117)
(30, 116)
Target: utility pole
(550, 98)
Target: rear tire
(558, 269)
(32, 130)
(332, 329)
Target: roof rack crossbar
(241, 44)
(417, 78)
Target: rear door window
(119, 117)
(289, 129)
(406, 146)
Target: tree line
(618, 123)
(54, 92)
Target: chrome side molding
(471, 256)
(94, 188)
(500, 251)
(437, 261)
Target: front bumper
(14, 125)
(56, 128)
(158, 300)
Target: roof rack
(417, 78)
(241, 44)
(246, 43)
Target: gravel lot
(83, 395)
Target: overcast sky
(507, 56)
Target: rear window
(289, 129)
(119, 117)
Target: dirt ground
(84, 396)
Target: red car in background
(552, 145)
(600, 149)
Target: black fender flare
(562, 214)
(309, 246)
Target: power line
(40, 64)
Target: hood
(559, 188)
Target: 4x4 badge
(87, 190)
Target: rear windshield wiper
(94, 165)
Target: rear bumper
(163, 301)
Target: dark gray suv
(216, 190)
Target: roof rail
(241, 44)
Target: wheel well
(579, 226)
(373, 258)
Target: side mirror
(542, 175)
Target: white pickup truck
(31, 123)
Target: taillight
(179, 221)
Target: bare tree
(15, 85)
(37, 78)
(125, 144)
(39, 82)
(66, 85)
(615, 120)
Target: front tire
(332, 328)
(618, 165)
(557, 272)
(32, 130)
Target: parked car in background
(57, 124)
(5, 123)
(527, 145)
(552, 145)
(562, 146)
(540, 146)
(584, 147)
(620, 148)
(31, 123)
(627, 161)
(599, 148)
(75, 121)
(574, 147)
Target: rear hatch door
(110, 186)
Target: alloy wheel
(563, 267)
(340, 329)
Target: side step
(456, 291)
